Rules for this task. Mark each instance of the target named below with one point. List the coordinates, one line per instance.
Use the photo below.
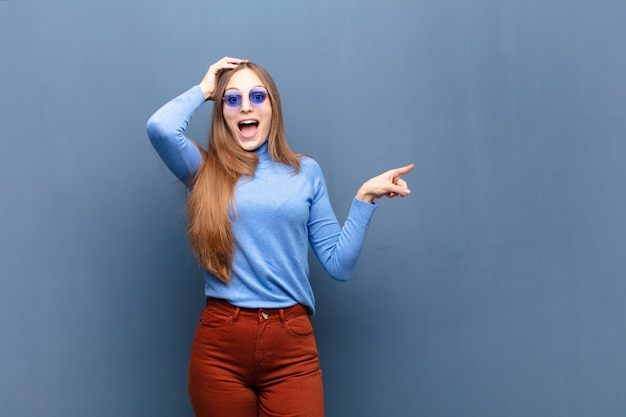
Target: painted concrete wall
(496, 289)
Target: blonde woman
(254, 208)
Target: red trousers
(255, 362)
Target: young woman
(254, 207)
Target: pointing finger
(405, 169)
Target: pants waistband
(281, 314)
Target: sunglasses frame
(251, 96)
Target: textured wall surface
(496, 289)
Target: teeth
(248, 122)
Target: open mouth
(248, 127)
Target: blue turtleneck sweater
(278, 215)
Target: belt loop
(281, 313)
(236, 314)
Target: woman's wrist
(364, 196)
(205, 91)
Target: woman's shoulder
(307, 162)
(312, 171)
(309, 166)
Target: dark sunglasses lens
(232, 99)
(257, 96)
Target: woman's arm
(339, 247)
(166, 128)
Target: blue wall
(496, 289)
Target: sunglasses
(233, 98)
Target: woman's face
(247, 109)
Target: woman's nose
(246, 105)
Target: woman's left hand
(386, 184)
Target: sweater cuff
(362, 211)
(196, 94)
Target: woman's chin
(251, 144)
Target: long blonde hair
(212, 197)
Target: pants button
(265, 315)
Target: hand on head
(207, 85)
(386, 184)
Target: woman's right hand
(207, 85)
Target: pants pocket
(213, 317)
(300, 326)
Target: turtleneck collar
(262, 152)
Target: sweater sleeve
(166, 130)
(337, 247)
